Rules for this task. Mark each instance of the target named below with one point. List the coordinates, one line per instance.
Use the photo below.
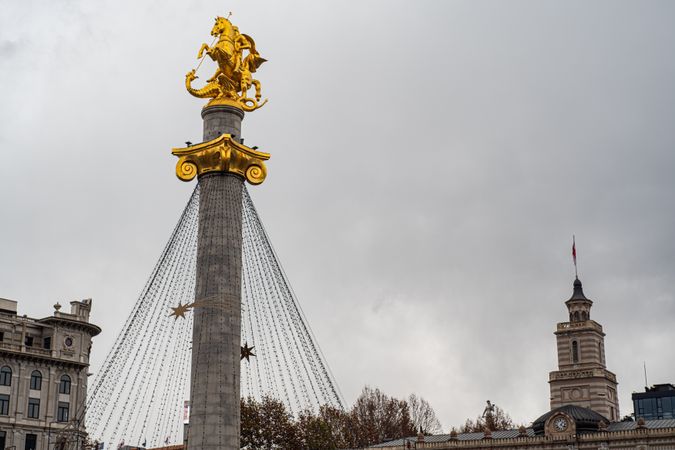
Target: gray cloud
(430, 162)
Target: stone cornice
(578, 374)
(87, 327)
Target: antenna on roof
(646, 384)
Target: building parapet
(533, 441)
(581, 373)
(569, 326)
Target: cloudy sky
(430, 163)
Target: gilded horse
(228, 54)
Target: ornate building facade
(584, 411)
(582, 377)
(43, 377)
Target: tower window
(575, 352)
(36, 380)
(5, 376)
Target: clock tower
(582, 378)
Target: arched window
(36, 380)
(6, 376)
(64, 385)
(575, 352)
(576, 316)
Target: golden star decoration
(180, 310)
(247, 352)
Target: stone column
(216, 339)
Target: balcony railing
(25, 349)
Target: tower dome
(569, 418)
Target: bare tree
(376, 417)
(494, 419)
(423, 415)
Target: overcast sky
(430, 163)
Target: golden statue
(234, 76)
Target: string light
(138, 394)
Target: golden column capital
(222, 154)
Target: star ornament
(247, 352)
(180, 310)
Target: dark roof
(586, 419)
(651, 424)
(578, 293)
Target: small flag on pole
(574, 256)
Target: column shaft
(215, 383)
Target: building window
(29, 341)
(4, 405)
(31, 441)
(575, 352)
(5, 376)
(64, 385)
(2, 338)
(47, 343)
(62, 413)
(36, 380)
(34, 408)
(3, 437)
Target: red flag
(574, 251)
(574, 256)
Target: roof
(586, 419)
(578, 293)
(651, 424)
(507, 434)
